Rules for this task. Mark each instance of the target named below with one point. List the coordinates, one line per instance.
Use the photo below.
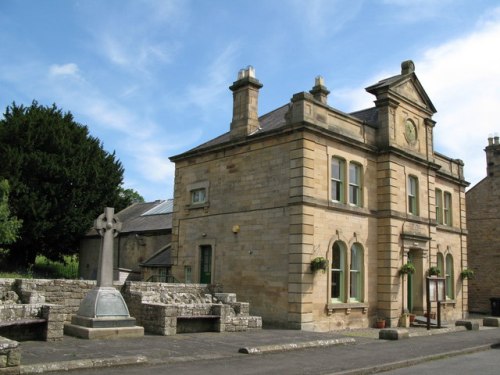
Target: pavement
(73, 353)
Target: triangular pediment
(404, 86)
(409, 90)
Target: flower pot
(380, 324)
(412, 318)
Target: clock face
(410, 131)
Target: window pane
(439, 206)
(356, 272)
(412, 195)
(355, 184)
(447, 208)
(198, 196)
(440, 263)
(337, 180)
(338, 261)
(449, 277)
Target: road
(484, 363)
(373, 354)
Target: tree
(127, 197)
(61, 179)
(9, 225)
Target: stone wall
(483, 221)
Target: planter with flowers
(319, 264)
(434, 271)
(467, 274)
(407, 268)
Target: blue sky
(150, 78)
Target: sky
(150, 78)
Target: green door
(409, 302)
(206, 264)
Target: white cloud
(214, 82)
(70, 69)
(462, 79)
(320, 18)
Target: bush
(48, 269)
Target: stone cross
(108, 227)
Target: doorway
(205, 264)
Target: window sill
(348, 307)
(195, 206)
(449, 302)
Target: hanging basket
(319, 263)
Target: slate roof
(144, 217)
(370, 116)
(159, 259)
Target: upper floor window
(198, 196)
(413, 195)
(447, 209)
(439, 206)
(355, 184)
(337, 179)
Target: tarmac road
(367, 356)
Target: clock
(410, 131)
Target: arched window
(449, 277)
(338, 272)
(440, 263)
(356, 273)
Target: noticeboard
(436, 290)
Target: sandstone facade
(366, 191)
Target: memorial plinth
(103, 314)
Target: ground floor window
(449, 277)
(347, 273)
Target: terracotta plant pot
(380, 324)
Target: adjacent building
(364, 190)
(146, 233)
(483, 221)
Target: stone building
(366, 190)
(146, 231)
(483, 221)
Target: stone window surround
(198, 186)
(348, 159)
(332, 306)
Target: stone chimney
(319, 91)
(493, 156)
(245, 103)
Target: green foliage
(407, 268)
(65, 269)
(319, 263)
(127, 197)
(9, 225)
(467, 274)
(434, 271)
(61, 180)
(46, 268)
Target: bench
(169, 309)
(23, 329)
(23, 322)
